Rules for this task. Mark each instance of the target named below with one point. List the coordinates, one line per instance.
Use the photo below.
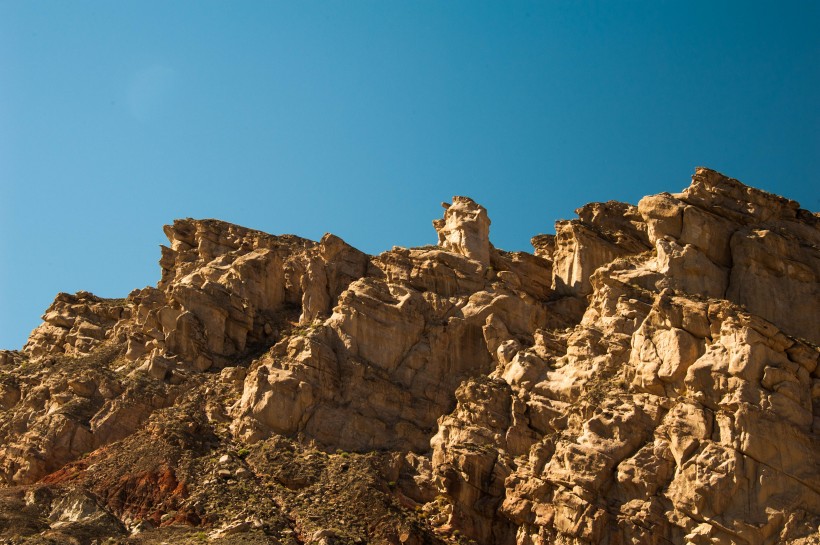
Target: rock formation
(648, 375)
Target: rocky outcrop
(648, 375)
(75, 324)
(465, 229)
(722, 239)
(602, 232)
(384, 366)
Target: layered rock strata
(648, 375)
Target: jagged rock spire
(465, 229)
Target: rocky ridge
(648, 375)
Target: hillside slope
(649, 375)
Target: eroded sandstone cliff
(648, 375)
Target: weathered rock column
(465, 229)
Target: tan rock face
(465, 229)
(603, 232)
(722, 239)
(75, 324)
(649, 375)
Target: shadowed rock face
(648, 375)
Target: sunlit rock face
(649, 374)
(465, 229)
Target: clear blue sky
(359, 118)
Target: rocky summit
(648, 375)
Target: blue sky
(359, 118)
